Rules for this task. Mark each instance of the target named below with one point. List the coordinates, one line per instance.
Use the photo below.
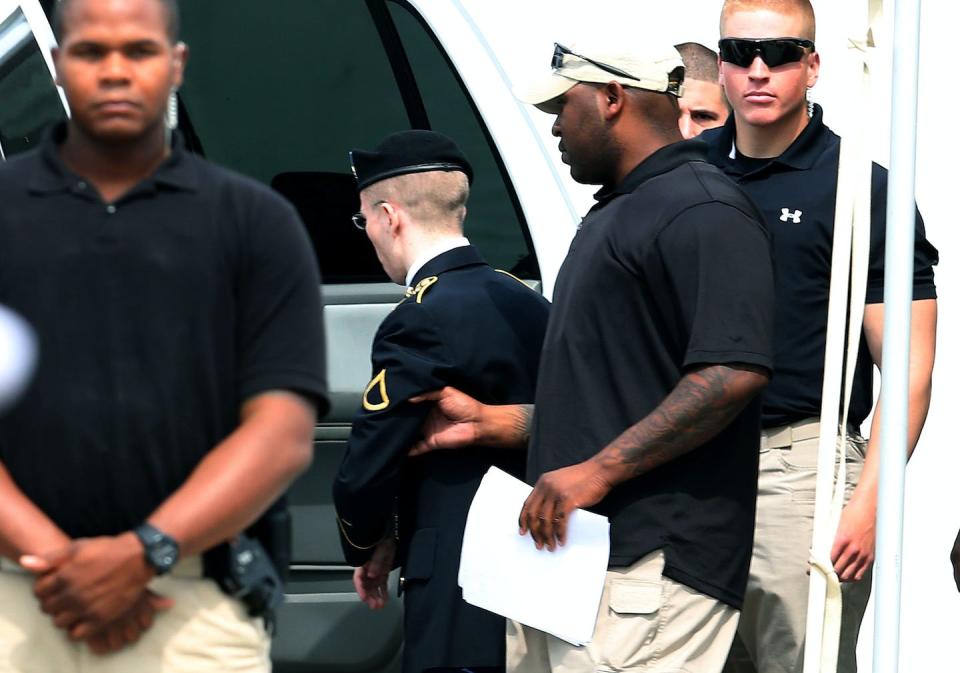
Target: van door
(30, 97)
(282, 92)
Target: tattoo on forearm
(703, 403)
(523, 423)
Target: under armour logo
(785, 215)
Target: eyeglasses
(559, 51)
(360, 220)
(773, 51)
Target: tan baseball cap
(643, 66)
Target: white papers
(557, 592)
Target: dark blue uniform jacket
(462, 324)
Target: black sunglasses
(773, 51)
(559, 51)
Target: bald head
(435, 200)
(63, 12)
(799, 8)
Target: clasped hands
(95, 589)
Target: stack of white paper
(557, 592)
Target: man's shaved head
(700, 62)
(801, 8)
(62, 10)
(703, 105)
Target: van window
(30, 101)
(283, 95)
(494, 220)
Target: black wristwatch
(161, 551)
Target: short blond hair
(434, 199)
(800, 7)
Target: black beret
(408, 152)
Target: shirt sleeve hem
(297, 382)
(703, 357)
(919, 293)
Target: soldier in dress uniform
(461, 324)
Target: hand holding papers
(557, 592)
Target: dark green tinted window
(283, 93)
(287, 87)
(29, 101)
(493, 221)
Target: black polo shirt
(670, 270)
(157, 317)
(797, 194)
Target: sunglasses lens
(772, 52)
(737, 52)
(359, 221)
(779, 52)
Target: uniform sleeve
(925, 255)
(718, 262)
(408, 359)
(280, 321)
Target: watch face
(164, 555)
(161, 551)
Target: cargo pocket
(628, 627)
(418, 566)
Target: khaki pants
(646, 622)
(205, 631)
(770, 638)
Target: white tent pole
(898, 295)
